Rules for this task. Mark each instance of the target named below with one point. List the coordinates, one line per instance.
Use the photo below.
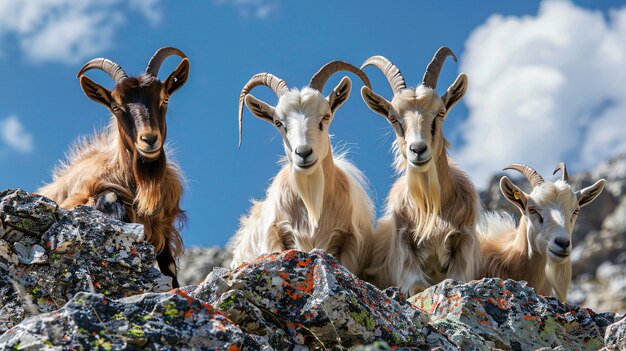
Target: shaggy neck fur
(514, 255)
(312, 187)
(148, 177)
(425, 193)
(151, 191)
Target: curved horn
(159, 56)
(434, 67)
(320, 78)
(561, 167)
(111, 68)
(269, 80)
(533, 176)
(393, 74)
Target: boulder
(48, 254)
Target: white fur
(307, 217)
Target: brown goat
(124, 171)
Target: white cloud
(544, 89)
(252, 8)
(68, 31)
(14, 135)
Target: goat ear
(260, 109)
(455, 92)
(512, 193)
(340, 94)
(178, 78)
(376, 102)
(588, 194)
(96, 92)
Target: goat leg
(464, 260)
(167, 265)
(345, 248)
(111, 205)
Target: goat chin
(310, 187)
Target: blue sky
(544, 84)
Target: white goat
(538, 249)
(316, 200)
(428, 232)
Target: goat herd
(433, 228)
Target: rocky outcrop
(294, 299)
(599, 238)
(48, 254)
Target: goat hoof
(111, 205)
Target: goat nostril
(418, 148)
(304, 151)
(149, 139)
(562, 242)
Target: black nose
(304, 151)
(149, 139)
(562, 242)
(418, 148)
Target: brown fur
(103, 163)
(506, 256)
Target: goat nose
(149, 139)
(418, 148)
(304, 151)
(562, 242)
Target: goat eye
(277, 123)
(326, 116)
(575, 213)
(532, 210)
(392, 119)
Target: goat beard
(559, 276)
(310, 187)
(149, 178)
(424, 193)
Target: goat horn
(111, 68)
(434, 67)
(269, 80)
(159, 56)
(561, 167)
(533, 176)
(320, 78)
(393, 74)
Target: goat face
(302, 118)
(550, 212)
(140, 104)
(416, 115)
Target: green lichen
(363, 318)
(118, 317)
(103, 344)
(227, 304)
(170, 309)
(136, 331)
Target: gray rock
(48, 254)
(304, 301)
